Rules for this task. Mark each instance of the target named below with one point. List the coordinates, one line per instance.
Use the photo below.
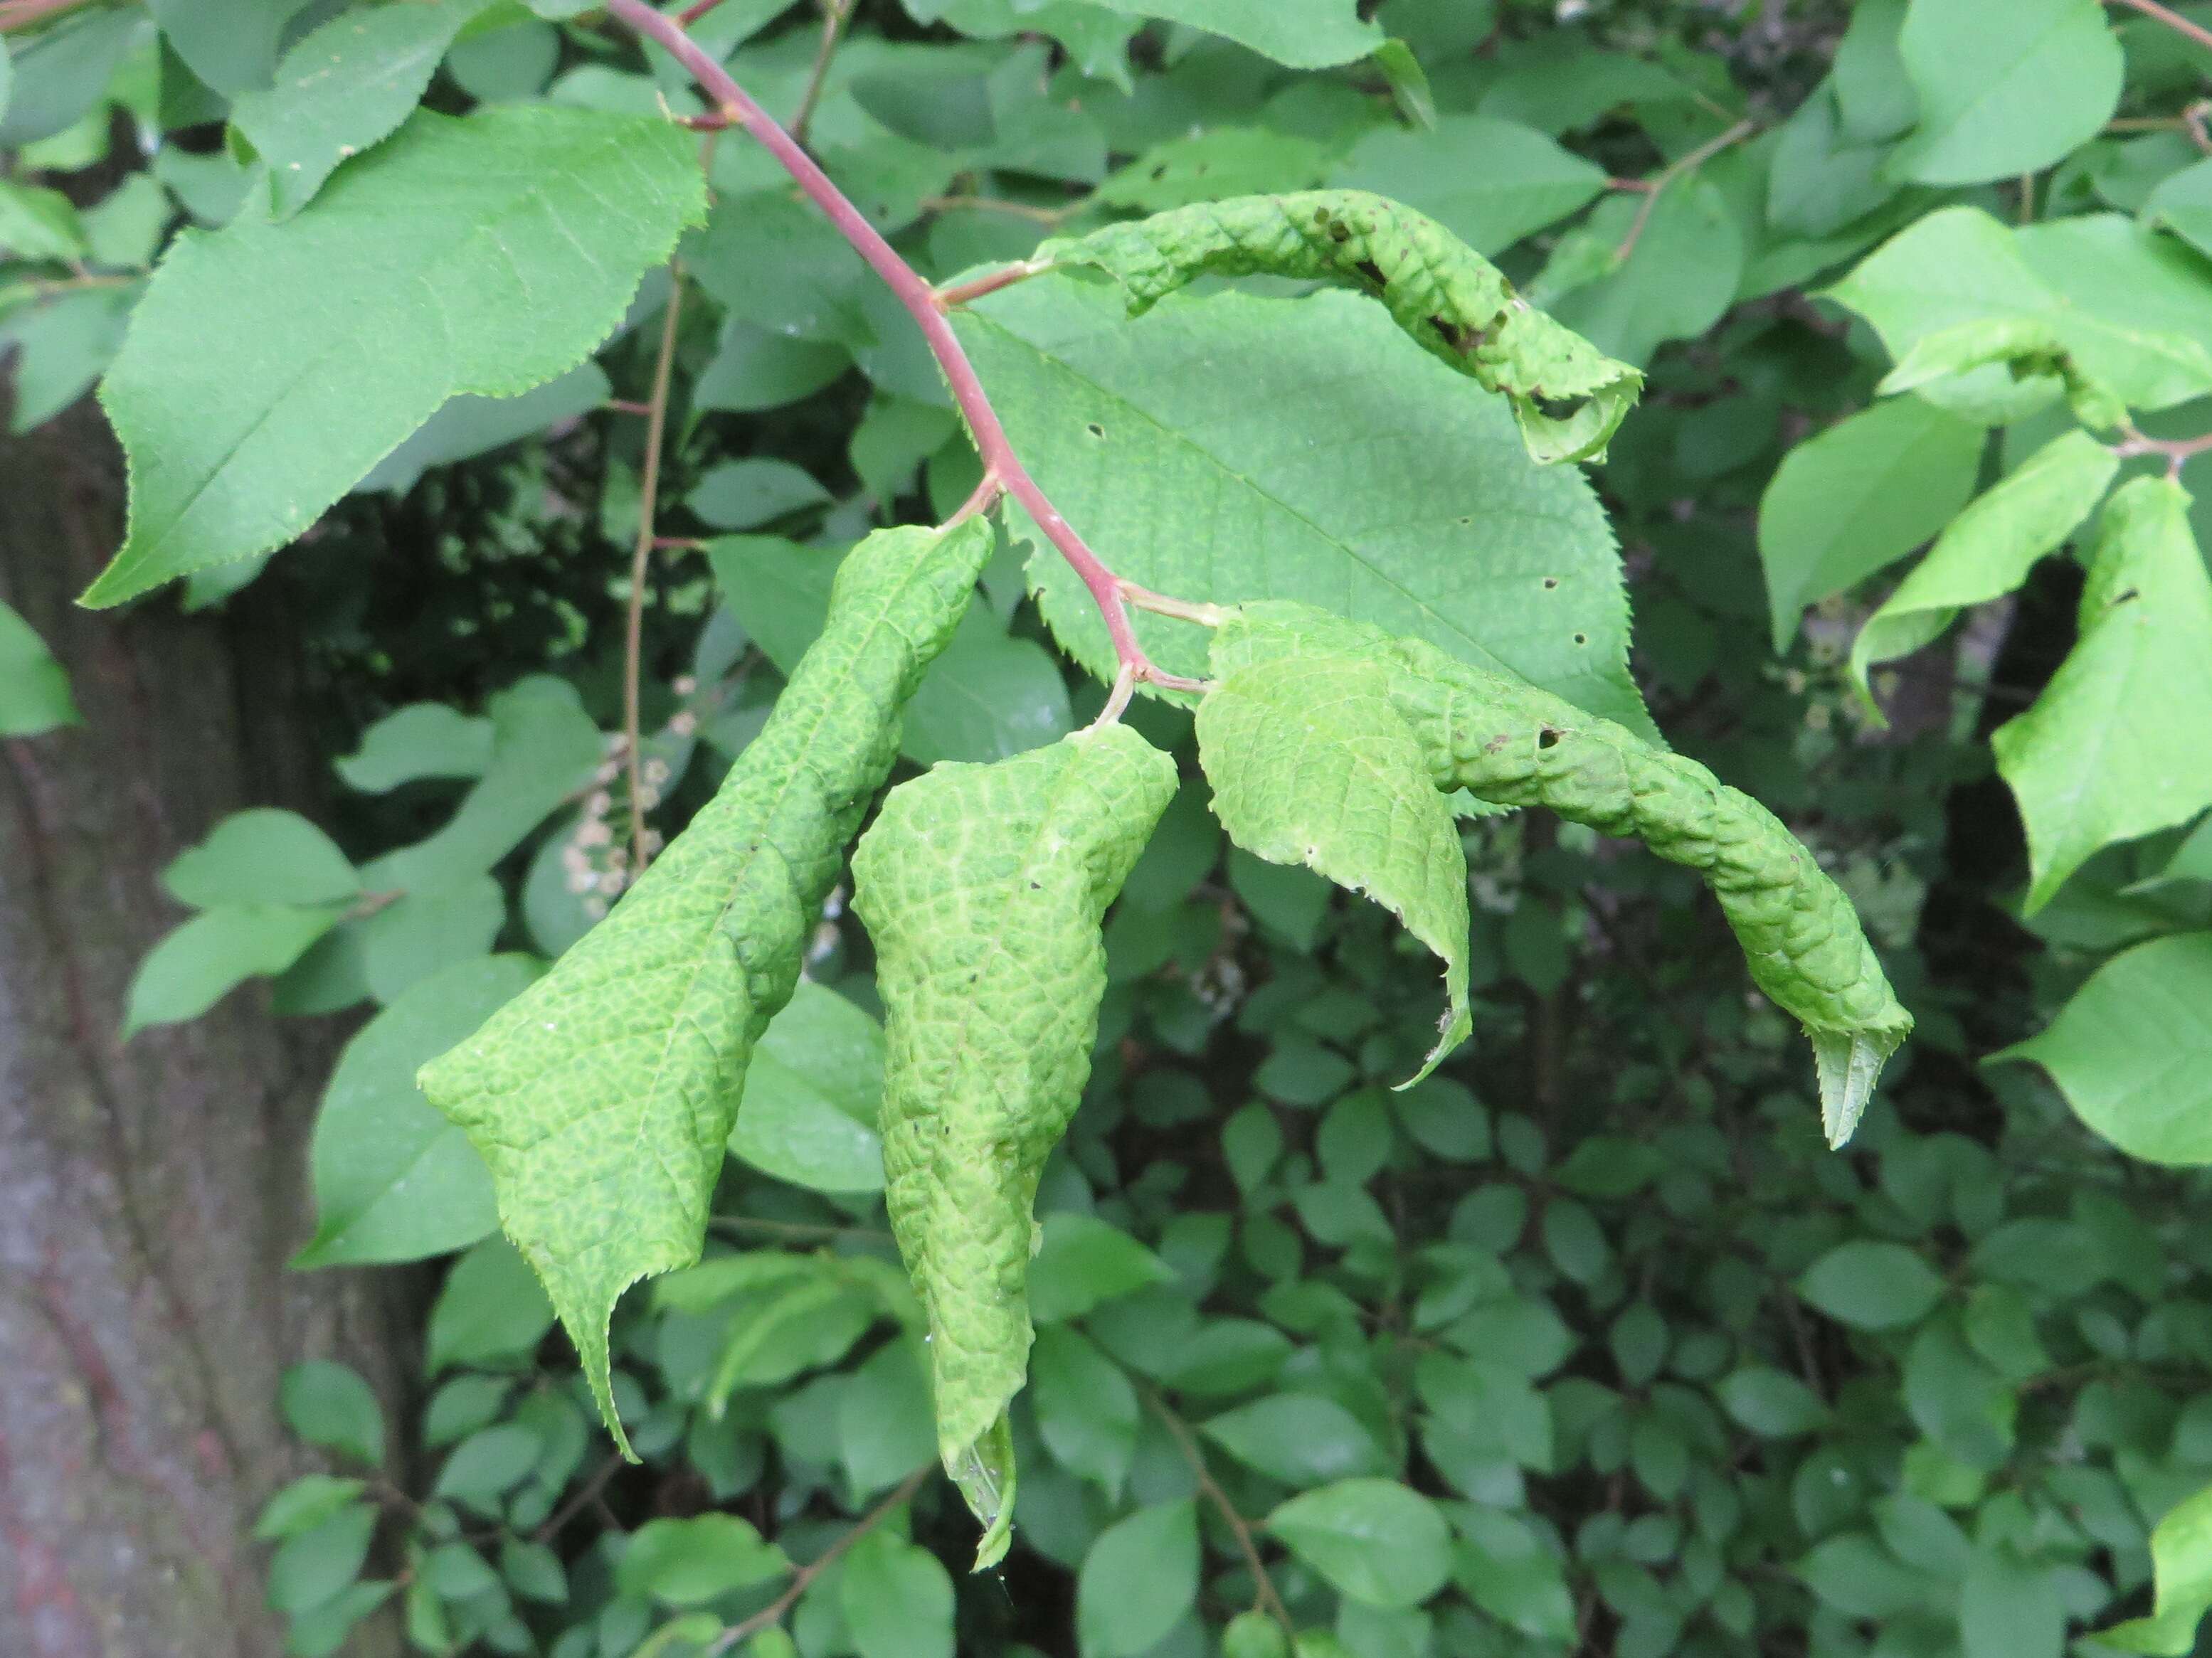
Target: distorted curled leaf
(1569, 396)
(602, 1097)
(983, 887)
(1508, 742)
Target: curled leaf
(1508, 742)
(601, 1097)
(1568, 395)
(984, 887)
(1311, 765)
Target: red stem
(921, 303)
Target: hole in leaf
(1096, 430)
(1581, 638)
(1547, 738)
(1550, 582)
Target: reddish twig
(640, 558)
(2173, 20)
(1696, 158)
(920, 302)
(2177, 451)
(1187, 1443)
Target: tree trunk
(149, 1191)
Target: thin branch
(640, 558)
(923, 305)
(1186, 1442)
(834, 14)
(771, 1614)
(1006, 277)
(2173, 20)
(1696, 158)
(2177, 451)
(586, 1494)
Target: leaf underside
(602, 1097)
(984, 887)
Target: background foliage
(1585, 1344)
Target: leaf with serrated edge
(270, 367)
(1454, 302)
(1988, 549)
(1509, 743)
(2114, 747)
(1312, 766)
(983, 887)
(601, 1097)
(1328, 458)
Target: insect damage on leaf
(1507, 742)
(1569, 396)
(1311, 765)
(984, 887)
(601, 1097)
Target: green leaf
(884, 1431)
(1372, 1539)
(1860, 495)
(682, 1562)
(1871, 1285)
(2132, 1051)
(329, 1404)
(1086, 1410)
(1873, 94)
(988, 697)
(2182, 202)
(466, 427)
(2010, 1607)
(231, 45)
(261, 856)
(2111, 749)
(1436, 523)
(2181, 1556)
(544, 750)
(305, 1504)
(60, 76)
(1081, 1263)
(39, 224)
(1300, 34)
(1988, 549)
(1508, 1572)
(602, 1097)
(1312, 766)
(1524, 180)
(269, 365)
(1300, 1439)
(1137, 1581)
(1204, 166)
(393, 1178)
(1772, 1404)
(1510, 743)
(897, 1598)
(34, 689)
(1678, 280)
(487, 1464)
(312, 1568)
(2006, 86)
(1253, 1634)
(983, 888)
(205, 959)
(492, 1311)
(808, 1113)
(2122, 303)
(1568, 398)
(344, 88)
(61, 346)
(740, 495)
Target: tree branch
(834, 14)
(2173, 20)
(1696, 158)
(773, 1613)
(1268, 1601)
(1000, 463)
(641, 557)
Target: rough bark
(149, 1191)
